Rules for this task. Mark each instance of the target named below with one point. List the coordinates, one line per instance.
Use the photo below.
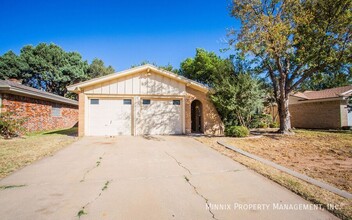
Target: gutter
(320, 100)
(50, 97)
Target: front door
(196, 116)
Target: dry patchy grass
(19, 152)
(326, 156)
(321, 155)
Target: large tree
(206, 67)
(45, 66)
(11, 66)
(167, 67)
(327, 80)
(235, 93)
(294, 40)
(48, 67)
(97, 68)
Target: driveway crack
(179, 163)
(199, 194)
(189, 183)
(96, 165)
(83, 210)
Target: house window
(146, 101)
(56, 111)
(94, 101)
(127, 101)
(176, 102)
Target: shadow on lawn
(73, 132)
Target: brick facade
(212, 124)
(81, 114)
(324, 115)
(38, 113)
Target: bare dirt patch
(326, 156)
(19, 152)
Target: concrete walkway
(171, 177)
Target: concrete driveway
(171, 177)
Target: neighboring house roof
(300, 95)
(148, 68)
(334, 93)
(16, 88)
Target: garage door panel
(160, 117)
(114, 117)
(109, 117)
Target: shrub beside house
(40, 110)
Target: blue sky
(122, 33)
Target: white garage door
(109, 117)
(159, 117)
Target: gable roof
(147, 67)
(7, 86)
(339, 92)
(300, 95)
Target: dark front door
(196, 116)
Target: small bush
(260, 121)
(274, 125)
(237, 131)
(10, 126)
(262, 125)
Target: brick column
(81, 115)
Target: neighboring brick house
(42, 110)
(321, 109)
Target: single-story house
(41, 110)
(321, 109)
(145, 100)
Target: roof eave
(347, 93)
(19, 91)
(101, 79)
(299, 97)
(4, 87)
(322, 99)
(77, 88)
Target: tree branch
(307, 74)
(273, 80)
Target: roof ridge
(340, 87)
(336, 92)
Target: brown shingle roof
(300, 95)
(7, 86)
(324, 94)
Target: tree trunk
(284, 114)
